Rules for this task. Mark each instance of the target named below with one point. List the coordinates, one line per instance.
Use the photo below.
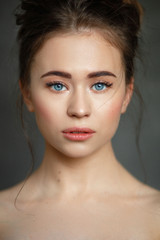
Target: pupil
(99, 86)
(58, 86)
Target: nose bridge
(79, 104)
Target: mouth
(78, 134)
(78, 130)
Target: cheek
(115, 111)
(112, 110)
(45, 111)
(42, 111)
(47, 116)
(111, 117)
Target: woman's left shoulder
(153, 198)
(149, 207)
(152, 203)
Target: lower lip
(78, 136)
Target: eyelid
(108, 84)
(53, 82)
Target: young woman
(77, 76)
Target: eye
(100, 86)
(56, 86)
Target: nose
(79, 105)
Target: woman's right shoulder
(8, 197)
(7, 207)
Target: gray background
(14, 154)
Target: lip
(83, 133)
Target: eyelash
(107, 84)
(50, 84)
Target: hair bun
(137, 6)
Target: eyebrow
(101, 74)
(69, 76)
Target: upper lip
(78, 129)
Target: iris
(57, 86)
(99, 86)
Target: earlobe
(128, 95)
(25, 91)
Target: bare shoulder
(8, 194)
(152, 197)
(8, 197)
(145, 205)
(150, 201)
(7, 208)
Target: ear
(128, 95)
(27, 97)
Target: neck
(99, 172)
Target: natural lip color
(78, 134)
(78, 129)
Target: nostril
(78, 113)
(79, 106)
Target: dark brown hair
(118, 20)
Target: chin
(75, 152)
(78, 155)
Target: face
(77, 81)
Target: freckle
(59, 172)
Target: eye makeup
(98, 86)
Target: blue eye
(56, 86)
(101, 86)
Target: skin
(80, 191)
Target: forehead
(78, 52)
